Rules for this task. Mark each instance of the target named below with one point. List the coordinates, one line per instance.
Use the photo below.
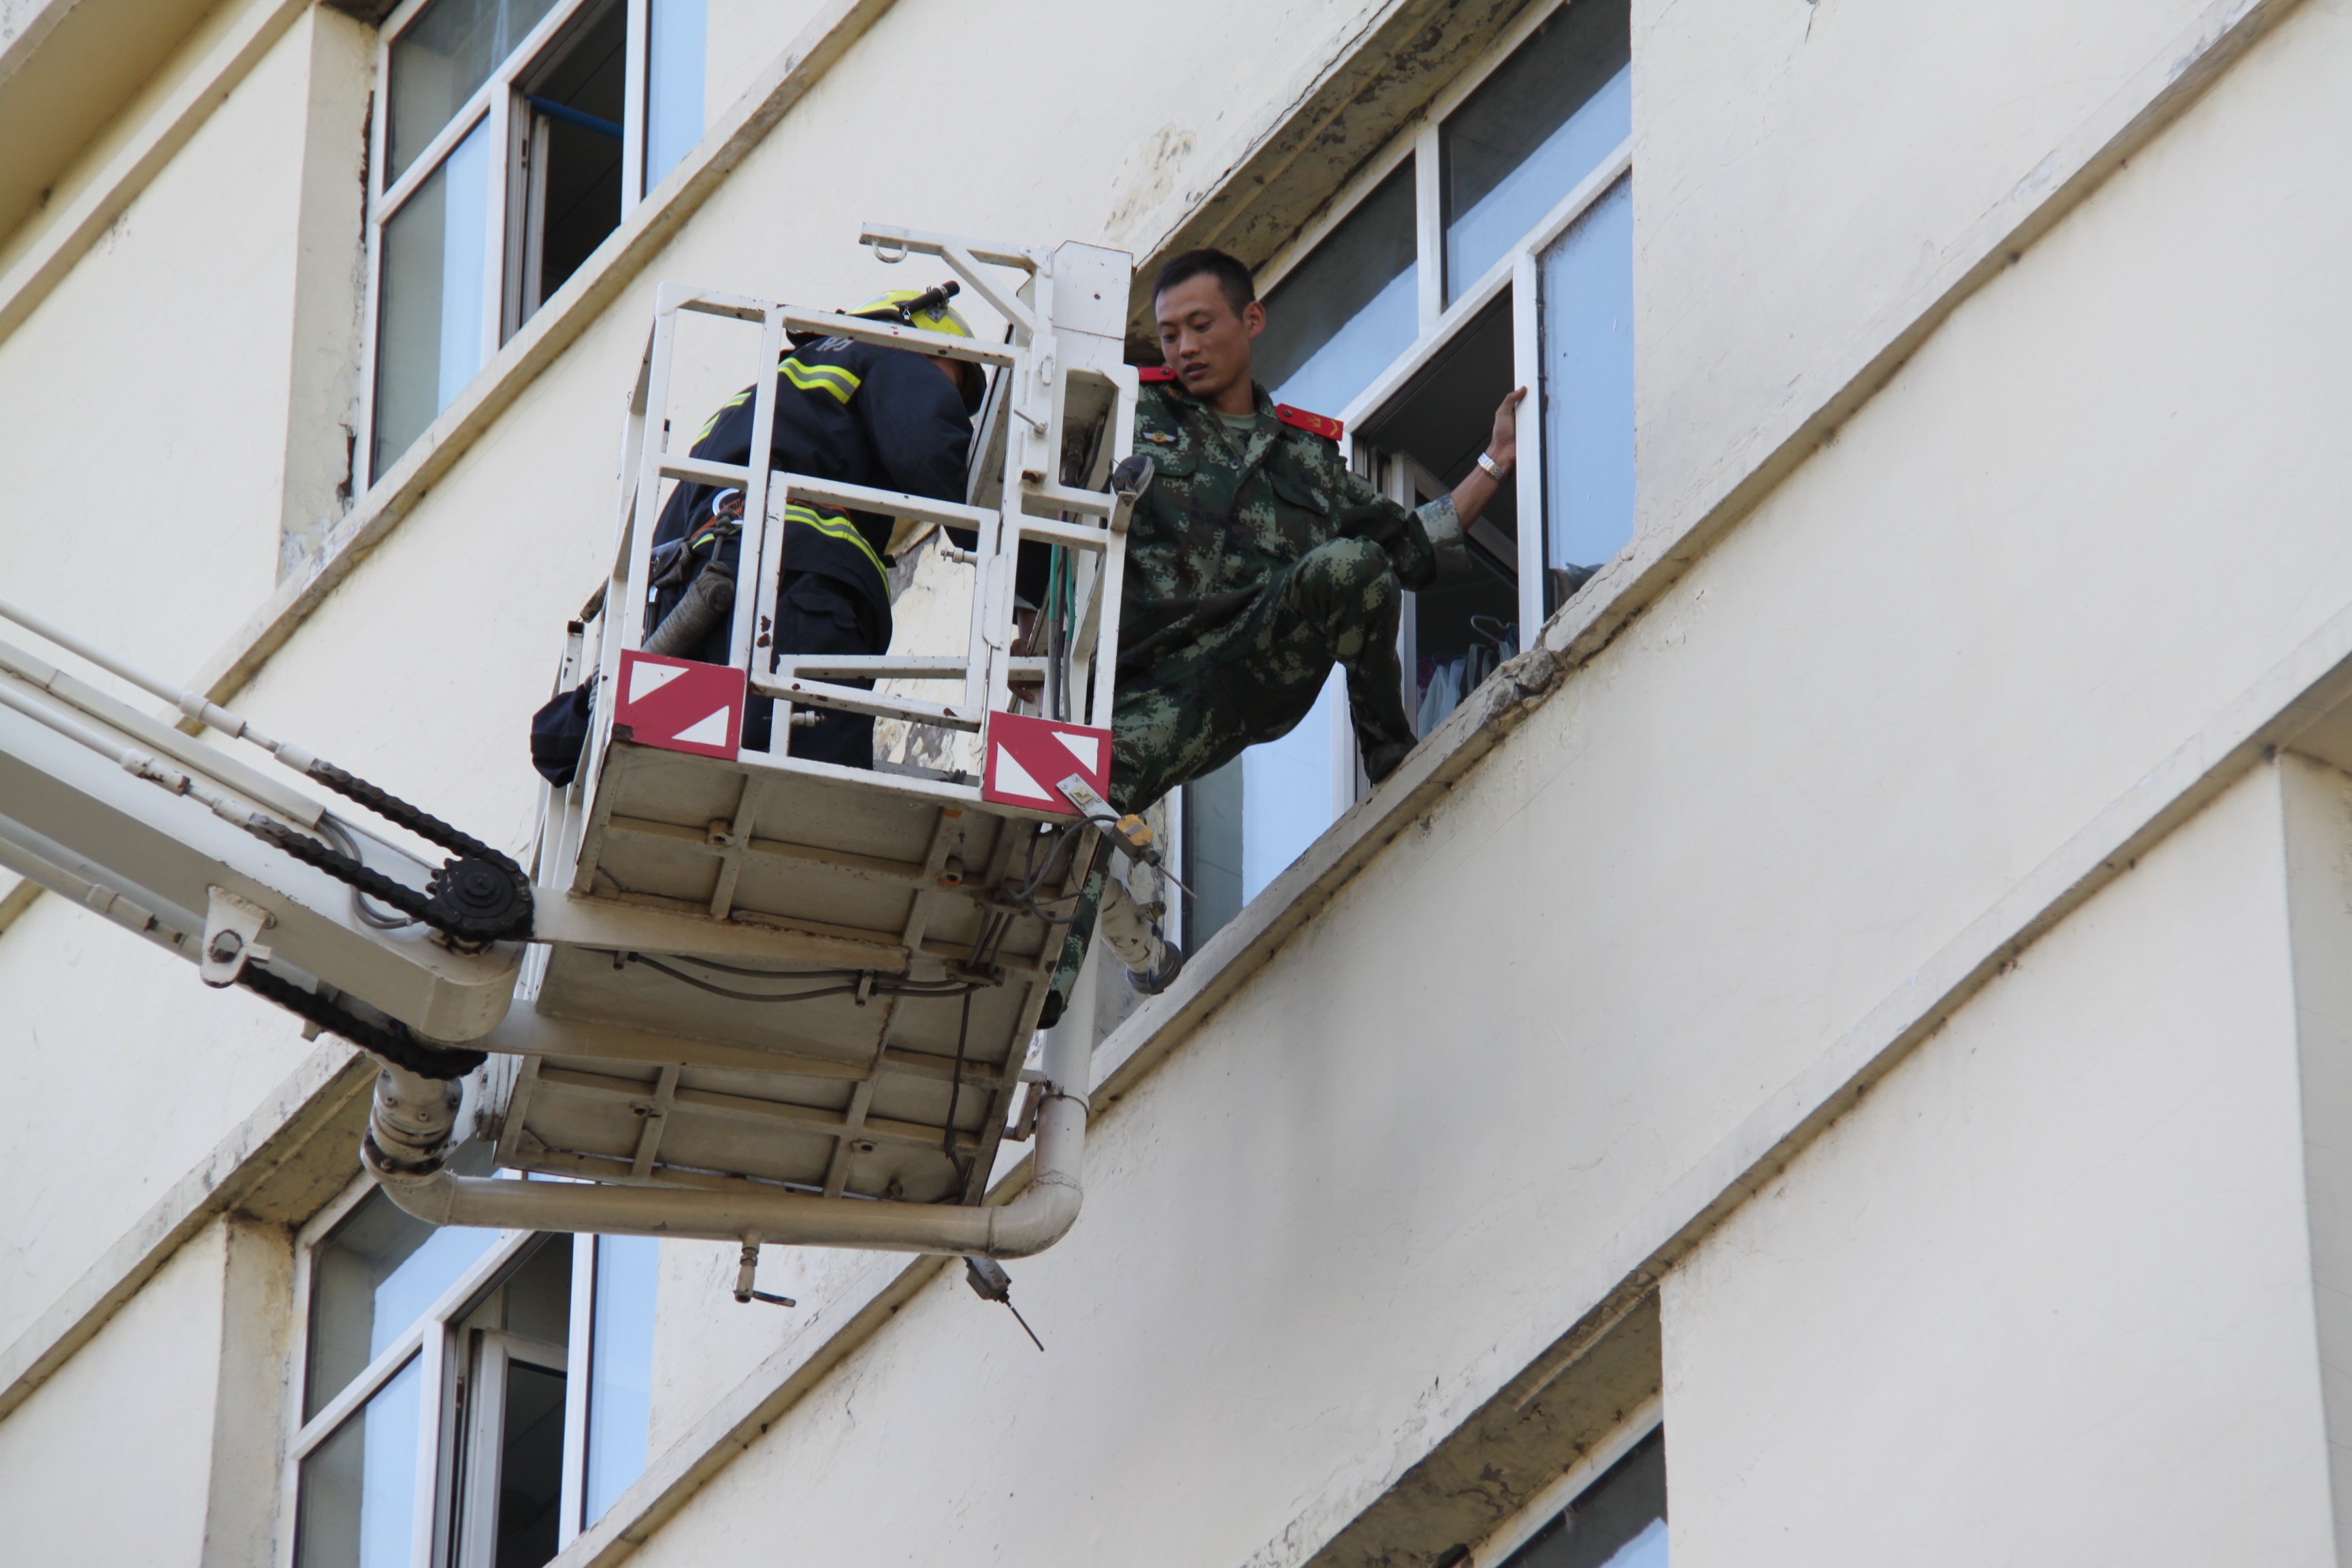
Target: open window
(1420, 445)
(468, 1398)
(516, 135)
(1491, 249)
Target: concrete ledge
(116, 182)
(280, 1165)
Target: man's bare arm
(1471, 496)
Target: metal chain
(477, 876)
(402, 1049)
(345, 869)
(394, 809)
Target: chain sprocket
(477, 897)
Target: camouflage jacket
(1229, 509)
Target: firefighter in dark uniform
(857, 413)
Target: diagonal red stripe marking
(681, 702)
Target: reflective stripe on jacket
(850, 412)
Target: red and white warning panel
(680, 705)
(1029, 757)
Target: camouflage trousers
(1196, 708)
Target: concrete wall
(158, 1444)
(1450, 1113)
(2317, 805)
(160, 414)
(2056, 1260)
(1440, 1123)
(1809, 163)
(144, 406)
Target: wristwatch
(1494, 470)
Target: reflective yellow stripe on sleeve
(841, 527)
(832, 378)
(712, 423)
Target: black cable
(341, 838)
(955, 1096)
(701, 984)
(881, 985)
(881, 981)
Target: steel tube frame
(400, 1140)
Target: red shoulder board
(1148, 374)
(1313, 423)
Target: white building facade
(1837, 1047)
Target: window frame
(433, 1340)
(1438, 323)
(1515, 270)
(493, 104)
(1553, 1501)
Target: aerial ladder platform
(728, 994)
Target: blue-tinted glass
(1345, 312)
(1618, 1521)
(675, 54)
(439, 61)
(1546, 118)
(1588, 384)
(1213, 853)
(1286, 792)
(1245, 823)
(429, 322)
(374, 1276)
(620, 1367)
(356, 1507)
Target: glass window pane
(1245, 823)
(1213, 853)
(356, 1502)
(1286, 791)
(531, 1466)
(1588, 384)
(1541, 123)
(440, 60)
(674, 53)
(1348, 310)
(373, 1277)
(429, 314)
(577, 100)
(1618, 1521)
(620, 1367)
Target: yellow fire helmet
(929, 311)
(934, 314)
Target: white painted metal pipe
(1033, 1222)
(193, 704)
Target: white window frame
(1515, 270)
(509, 187)
(432, 1338)
(478, 1513)
(1555, 1498)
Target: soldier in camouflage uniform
(1256, 560)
